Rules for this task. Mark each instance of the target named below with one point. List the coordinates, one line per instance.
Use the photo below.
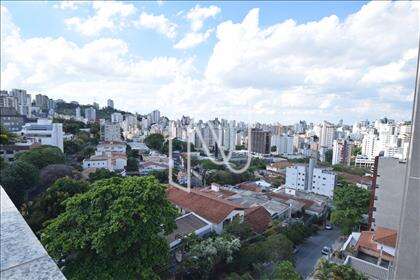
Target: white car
(326, 250)
(328, 227)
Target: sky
(259, 61)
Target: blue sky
(274, 61)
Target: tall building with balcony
(342, 152)
(260, 141)
(90, 114)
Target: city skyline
(281, 66)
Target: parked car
(326, 250)
(328, 227)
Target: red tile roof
(258, 218)
(205, 205)
(386, 236)
(249, 186)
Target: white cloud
(109, 15)
(69, 5)
(193, 39)
(357, 67)
(158, 23)
(198, 15)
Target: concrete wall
(389, 193)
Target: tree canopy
(326, 271)
(154, 141)
(115, 230)
(17, 178)
(349, 204)
(42, 156)
(49, 204)
(101, 174)
(286, 271)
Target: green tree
(50, 173)
(356, 151)
(132, 164)
(49, 205)
(154, 141)
(5, 136)
(349, 204)
(42, 156)
(325, 271)
(17, 179)
(328, 156)
(203, 256)
(115, 230)
(241, 230)
(286, 271)
(101, 174)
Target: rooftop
(186, 224)
(22, 255)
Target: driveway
(310, 251)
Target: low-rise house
(278, 167)
(258, 218)
(111, 147)
(150, 166)
(216, 211)
(8, 152)
(186, 225)
(44, 132)
(110, 161)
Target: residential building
(111, 161)
(90, 114)
(217, 212)
(8, 152)
(111, 147)
(110, 103)
(326, 136)
(311, 179)
(41, 101)
(78, 114)
(24, 101)
(283, 144)
(342, 152)
(117, 117)
(45, 132)
(187, 224)
(388, 192)
(11, 119)
(8, 101)
(110, 132)
(260, 141)
(155, 116)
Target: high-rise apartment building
(41, 101)
(260, 141)
(24, 101)
(117, 117)
(110, 103)
(342, 152)
(326, 136)
(110, 132)
(155, 116)
(90, 114)
(283, 144)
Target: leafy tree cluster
(224, 177)
(205, 255)
(132, 159)
(70, 125)
(101, 174)
(50, 204)
(350, 169)
(5, 136)
(157, 142)
(349, 204)
(114, 230)
(326, 271)
(23, 175)
(356, 151)
(286, 271)
(297, 233)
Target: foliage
(241, 230)
(257, 164)
(115, 230)
(356, 151)
(349, 204)
(70, 126)
(132, 164)
(209, 165)
(326, 271)
(42, 156)
(204, 255)
(236, 276)
(286, 271)
(177, 145)
(49, 205)
(273, 148)
(350, 169)
(101, 174)
(5, 136)
(252, 255)
(240, 147)
(223, 177)
(17, 178)
(297, 233)
(328, 156)
(154, 141)
(49, 174)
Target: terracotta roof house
(379, 244)
(258, 218)
(216, 211)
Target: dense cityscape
(302, 178)
(223, 140)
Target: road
(310, 251)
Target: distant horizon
(263, 62)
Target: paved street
(310, 251)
